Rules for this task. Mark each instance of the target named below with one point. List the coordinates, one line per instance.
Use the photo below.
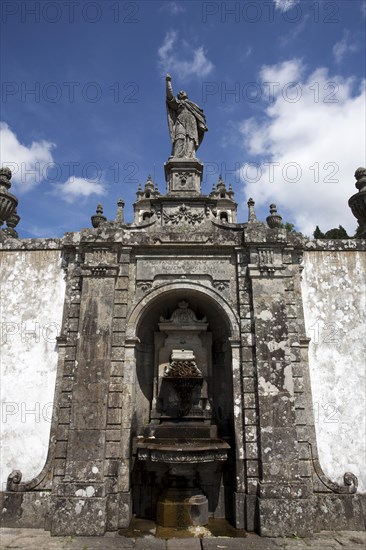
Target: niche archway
(222, 335)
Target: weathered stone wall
(31, 303)
(32, 292)
(334, 298)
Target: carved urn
(98, 218)
(8, 202)
(12, 222)
(357, 202)
(274, 220)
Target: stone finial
(149, 183)
(231, 192)
(274, 220)
(149, 190)
(11, 223)
(213, 190)
(98, 218)
(360, 176)
(8, 202)
(221, 188)
(357, 202)
(120, 217)
(5, 177)
(139, 193)
(221, 183)
(251, 212)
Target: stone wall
(334, 298)
(32, 292)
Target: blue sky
(83, 120)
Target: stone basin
(182, 450)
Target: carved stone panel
(217, 268)
(184, 215)
(100, 256)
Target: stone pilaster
(281, 486)
(67, 361)
(118, 436)
(246, 415)
(80, 499)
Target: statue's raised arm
(186, 121)
(169, 88)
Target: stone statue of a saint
(186, 121)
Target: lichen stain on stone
(288, 383)
(274, 346)
(236, 365)
(275, 468)
(265, 315)
(236, 411)
(79, 506)
(266, 387)
(88, 492)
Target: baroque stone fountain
(181, 434)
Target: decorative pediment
(183, 315)
(184, 214)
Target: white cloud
(343, 47)
(319, 138)
(167, 46)
(171, 58)
(28, 163)
(75, 188)
(285, 5)
(363, 8)
(174, 8)
(31, 164)
(281, 74)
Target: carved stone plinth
(183, 176)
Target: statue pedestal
(183, 176)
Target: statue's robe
(185, 118)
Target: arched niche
(148, 338)
(143, 328)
